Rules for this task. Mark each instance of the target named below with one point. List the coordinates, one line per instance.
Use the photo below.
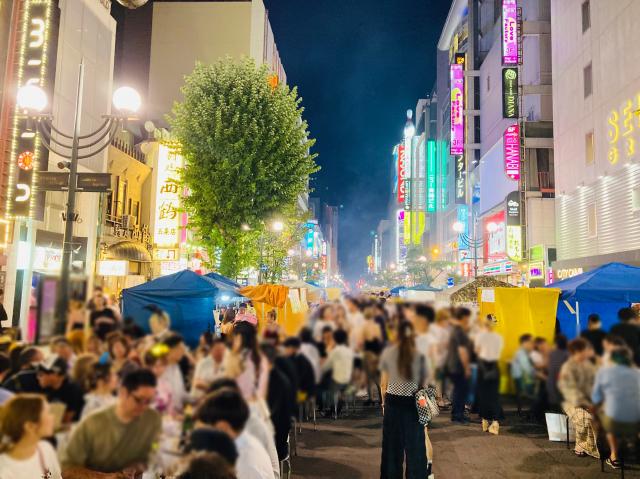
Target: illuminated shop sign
(623, 131)
(36, 66)
(401, 248)
(496, 234)
(498, 268)
(401, 174)
(568, 273)
(511, 141)
(463, 218)
(513, 209)
(443, 169)
(408, 174)
(514, 242)
(510, 93)
(510, 54)
(461, 180)
(431, 176)
(309, 239)
(457, 110)
(113, 268)
(536, 270)
(168, 191)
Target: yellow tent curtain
(271, 294)
(267, 297)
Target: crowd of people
(110, 400)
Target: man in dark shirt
(595, 334)
(459, 363)
(304, 369)
(628, 331)
(26, 379)
(52, 376)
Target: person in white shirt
(488, 346)
(172, 374)
(25, 422)
(209, 368)
(326, 317)
(228, 412)
(340, 363)
(356, 320)
(311, 352)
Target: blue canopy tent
(603, 291)
(396, 291)
(424, 287)
(223, 279)
(187, 297)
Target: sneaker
(494, 428)
(614, 464)
(485, 425)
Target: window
(588, 83)
(586, 15)
(635, 199)
(592, 221)
(488, 83)
(589, 156)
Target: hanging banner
(431, 176)
(457, 110)
(461, 180)
(511, 139)
(510, 93)
(166, 232)
(514, 242)
(402, 167)
(510, 55)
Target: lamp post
(33, 100)
(473, 243)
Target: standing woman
(403, 373)
(25, 422)
(489, 346)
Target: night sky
(359, 65)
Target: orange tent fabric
(271, 294)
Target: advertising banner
(510, 93)
(457, 110)
(511, 139)
(431, 176)
(510, 54)
(495, 246)
(402, 167)
(461, 180)
(401, 247)
(514, 242)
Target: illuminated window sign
(510, 93)
(401, 174)
(168, 191)
(36, 54)
(510, 55)
(514, 242)
(457, 110)
(536, 270)
(495, 246)
(512, 152)
(431, 176)
(461, 180)
(568, 273)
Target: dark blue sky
(359, 65)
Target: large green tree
(247, 156)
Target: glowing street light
(31, 98)
(422, 259)
(126, 99)
(458, 227)
(277, 226)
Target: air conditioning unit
(127, 222)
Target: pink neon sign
(511, 140)
(510, 32)
(457, 110)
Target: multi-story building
(596, 92)
(330, 222)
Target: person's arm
(597, 394)
(384, 382)
(465, 359)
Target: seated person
(522, 369)
(26, 379)
(118, 438)
(59, 388)
(207, 439)
(207, 465)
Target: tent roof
(469, 292)
(609, 283)
(397, 289)
(183, 283)
(424, 287)
(223, 281)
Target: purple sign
(512, 152)
(457, 110)
(510, 32)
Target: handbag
(422, 407)
(432, 402)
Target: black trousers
(460, 395)
(488, 391)
(402, 437)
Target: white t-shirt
(207, 371)
(264, 434)
(310, 351)
(43, 460)
(253, 461)
(319, 326)
(441, 336)
(427, 345)
(173, 377)
(489, 345)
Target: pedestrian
(628, 331)
(557, 357)
(372, 349)
(246, 364)
(102, 319)
(25, 379)
(58, 387)
(25, 422)
(272, 331)
(173, 374)
(594, 334)
(325, 320)
(403, 437)
(207, 465)
(522, 370)
(5, 366)
(459, 363)
(309, 348)
(489, 346)
(340, 363)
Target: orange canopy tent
(290, 304)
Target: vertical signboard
(461, 180)
(463, 219)
(401, 247)
(443, 168)
(36, 66)
(167, 223)
(495, 246)
(511, 140)
(510, 93)
(431, 176)
(401, 174)
(510, 55)
(514, 228)
(457, 109)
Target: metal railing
(132, 151)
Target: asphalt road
(350, 448)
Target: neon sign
(510, 93)
(36, 51)
(512, 152)
(622, 131)
(431, 176)
(457, 109)
(168, 191)
(510, 55)
(401, 174)
(461, 180)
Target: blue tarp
(424, 287)
(187, 297)
(603, 290)
(224, 280)
(396, 291)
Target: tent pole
(577, 319)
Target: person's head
(82, 369)
(579, 349)
(292, 346)
(206, 340)
(229, 316)
(137, 392)
(175, 343)
(159, 321)
(306, 336)
(352, 304)
(207, 439)
(225, 410)
(25, 416)
(272, 317)
(99, 302)
(489, 322)
(207, 465)
(156, 359)
(52, 372)
(118, 346)
(462, 316)
(97, 293)
(242, 309)
(327, 335)
(611, 342)
(340, 337)
(626, 314)
(526, 342)
(443, 316)
(424, 315)
(407, 349)
(594, 321)
(327, 312)
(269, 351)
(540, 344)
(223, 383)
(102, 378)
(5, 366)
(621, 356)
(561, 342)
(62, 347)
(29, 358)
(218, 350)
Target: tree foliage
(247, 159)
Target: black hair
(208, 338)
(340, 336)
(224, 405)
(249, 337)
(173, 340)
(614, 340)
(223, 383)
(626, 314)
(426, 312)
(27, 356)
(207, 465)
(561, 342)
(578, 345)
(213, 440)
(327, 329)
(138, 378)
(461, 313)
(525, 337)
(292, 342)
(269, 351)
(306, 336)
(5, 363)
(594, 318)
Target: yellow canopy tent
(519, 311)
(289, 303)
(333, 294)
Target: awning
(128, 250)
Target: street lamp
(277, 226)
(33, 100)
(409, 127)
